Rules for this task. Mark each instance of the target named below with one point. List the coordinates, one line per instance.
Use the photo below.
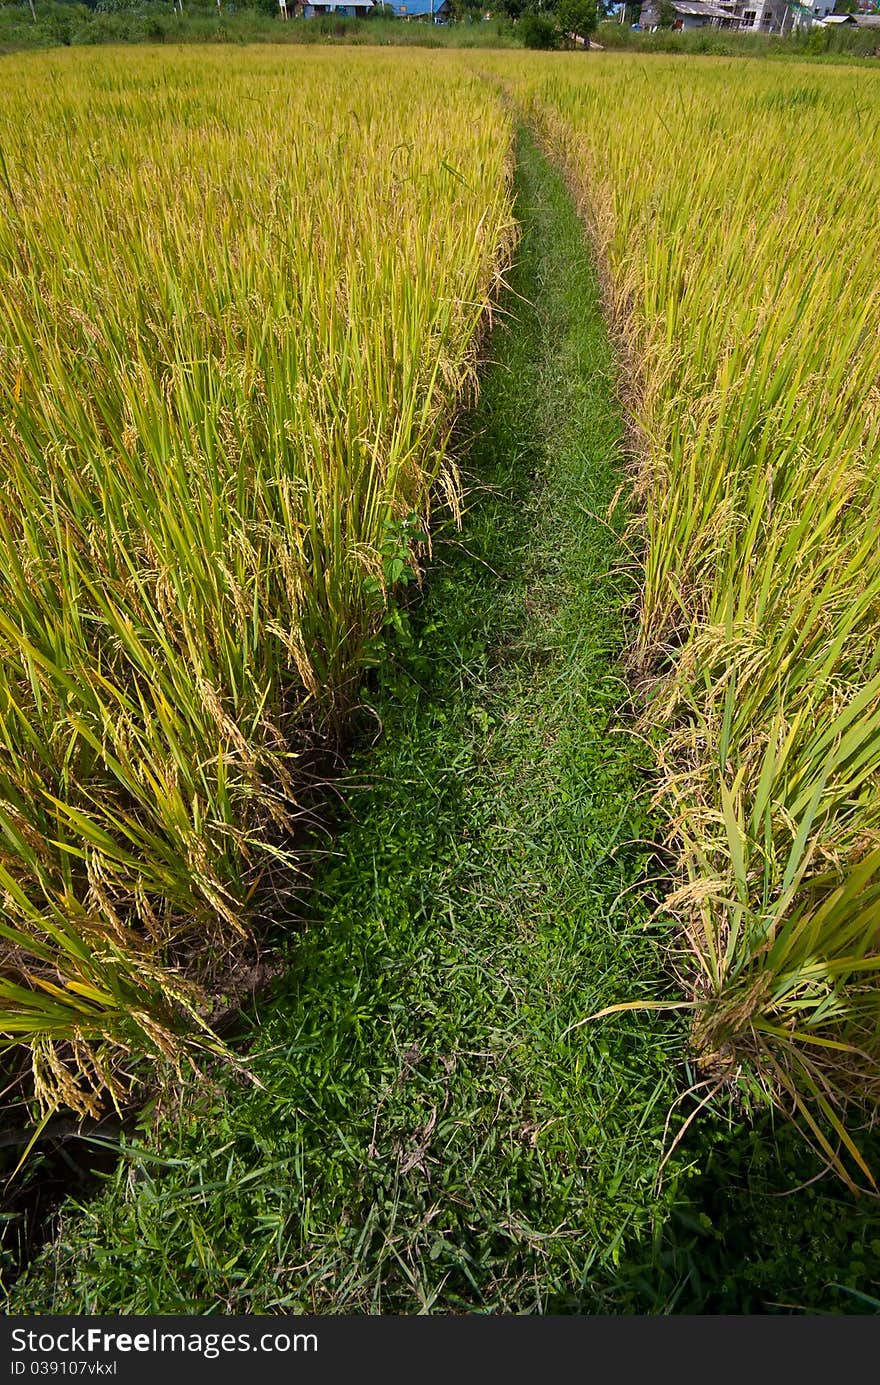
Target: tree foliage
(538, 30)
(576, 18)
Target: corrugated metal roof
(867, 21)
(695, 9)
(698, 9)
(417, 9)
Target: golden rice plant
(735, 209)
(239, 303)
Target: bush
(333, 26)
(537, 31)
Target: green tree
(576, 18)
(666, 14)
(538, 30)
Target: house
(689, 14)
(757, 16)
(435, 10)
(767, 16)
(803, 14)
(813, 12)
(861, 21)
(852, 21)
(344, 9)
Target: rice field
(735, 210)
(242, 300)
(240, 305)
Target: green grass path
(426, 1136)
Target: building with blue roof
(345, 9)
(436, 10)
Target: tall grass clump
(735, 210)
(240, 296)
